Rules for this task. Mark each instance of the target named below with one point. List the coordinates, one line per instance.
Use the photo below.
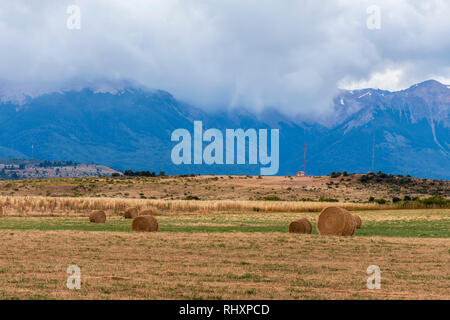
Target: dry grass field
(118, 265)
(226, 256)
(243, 188)
(216, 248)
(63, 206)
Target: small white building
(300, 173)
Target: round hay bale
(358, 221)
(353, 230)
(350, 225)
(144, 224)
(308, 226)
(297, 227)
(355, 226)
(131, 213)
(335, 221)
(151, 211)
(97, 216)
(302, 226)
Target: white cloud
(387, 80)
(288, 54)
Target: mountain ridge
(11, 169)
(131, 128)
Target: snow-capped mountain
(404, 132)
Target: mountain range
(403, 132)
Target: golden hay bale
(350, 225)
(308, 226)
(151, 211)
(300, 226)
(358, 221)
(144, 224)
(131, 213)
(335, 221)
(297, 227)
(353, 229)
(353, 225)
(97, 216)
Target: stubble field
(219, 238)
(244, 255)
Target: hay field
(225, 255)
(118, 265)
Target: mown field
(225, 255)
(433, 223)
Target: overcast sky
(293, 55)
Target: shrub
(131, 173)
(325, 199)
(189, 197)
(396, 199)
(271, 198)
(435, 201)
(380, 201)
(364, 178)
(382, 175)
(335, 174)
(306, 200)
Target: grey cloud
(287, 54)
